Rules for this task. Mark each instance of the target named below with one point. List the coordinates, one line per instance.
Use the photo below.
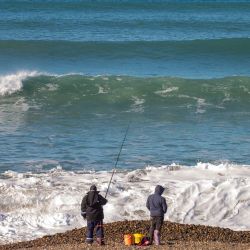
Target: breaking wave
(137, 94)
(35, 204)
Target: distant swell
(117, 49)
(190, 58)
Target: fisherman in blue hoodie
(157, 206)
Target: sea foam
(11, 83)
(35, 204)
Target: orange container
(128, 239)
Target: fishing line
(117, 159)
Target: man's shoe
(89, 242)
(100, 241)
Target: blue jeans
(91, 225)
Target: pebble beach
(174, 236)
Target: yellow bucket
(138, 238)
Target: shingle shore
(173, 235)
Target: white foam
(33, 205)
(137, 106)
(50, 87)
(200, 106)
(102, 90)
(13, 82)
(245, 89)
(166, 91)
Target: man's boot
(157, 237)
(89, 241)
(100, 241)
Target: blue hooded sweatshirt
(156, 204)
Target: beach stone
(172, 233)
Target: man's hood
(159, 189)
(92, 198)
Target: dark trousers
(156, 224)
(91, 225)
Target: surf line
(117, 159)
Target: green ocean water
(74, 73)
(79, 121)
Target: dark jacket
(92, 206)
(156, 204)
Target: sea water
(74, 74)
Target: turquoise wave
(79, 120)
(135, 94)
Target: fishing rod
(117, 159)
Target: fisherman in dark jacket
(91, 209)
(157, 206)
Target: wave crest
(102, 94)
(12, 83)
